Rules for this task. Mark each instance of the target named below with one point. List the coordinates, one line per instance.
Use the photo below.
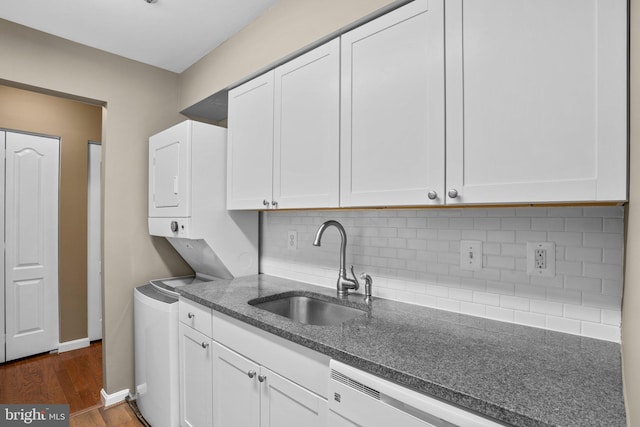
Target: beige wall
(76, 123)
(631, 298)
(140, 100)
(290, 25)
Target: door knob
(432, 195)
(453, 193)
(174, 226)
(251, 374)
(262, 378)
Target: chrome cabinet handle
(453, 193)
(262, 378)
(265, 202)
(251, 374)
(191, 315)
(274, 203)
(205, 344)
(432, 195)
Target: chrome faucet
(344, 283)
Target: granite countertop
(519, 375)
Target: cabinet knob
(191, 315)
(274, 203)
(262, 378)
(265, 202)
(251, 374)
(205, 344)
(174, 226)
(432, 195)
(453, 193)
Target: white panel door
(536, 100)
(169, 172)
(236, 389)
(392, 111)
(195, 378)
(94, 263)
(286, 404)
(306, 148)
(250, 144)
(2, 287)
(31, 257)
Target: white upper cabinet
(536, 100)
(306, 155)
(250, 144)
(392, 109)
(284, 135)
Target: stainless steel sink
(308, 310)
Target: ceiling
(169, 34)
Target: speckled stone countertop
(515, 374)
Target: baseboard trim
(114, 398)
(73, 345)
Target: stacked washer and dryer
(187, 206)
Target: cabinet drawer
(299, 364)
(196, 316)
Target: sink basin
(308, 310)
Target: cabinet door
(536, 100)
(236, 389)
(195, 378)
(250, 144)
(306, 154)
(392, 111)
(169, 172)
(286, 404)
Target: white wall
(414, 256)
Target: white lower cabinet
(233, 374)
(247, 394)
(196, 378)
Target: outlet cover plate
(292, 240)
(471, 255)
(547, 253)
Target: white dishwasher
(357, 398)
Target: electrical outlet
(471, 255)
(541, 259)
(292, 240)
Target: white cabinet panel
(286, 404)
(284, 135)
(392, 113)
(307, 141)
(196, 380)
(236, 389)
(250, 144)
(250, 395)
(536, 100)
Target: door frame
(94, 241)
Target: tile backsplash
(414, 256)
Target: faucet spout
(343, 240)
(344, 283)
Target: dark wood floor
(73, 377)
(116, 415)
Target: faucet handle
(355, 280)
